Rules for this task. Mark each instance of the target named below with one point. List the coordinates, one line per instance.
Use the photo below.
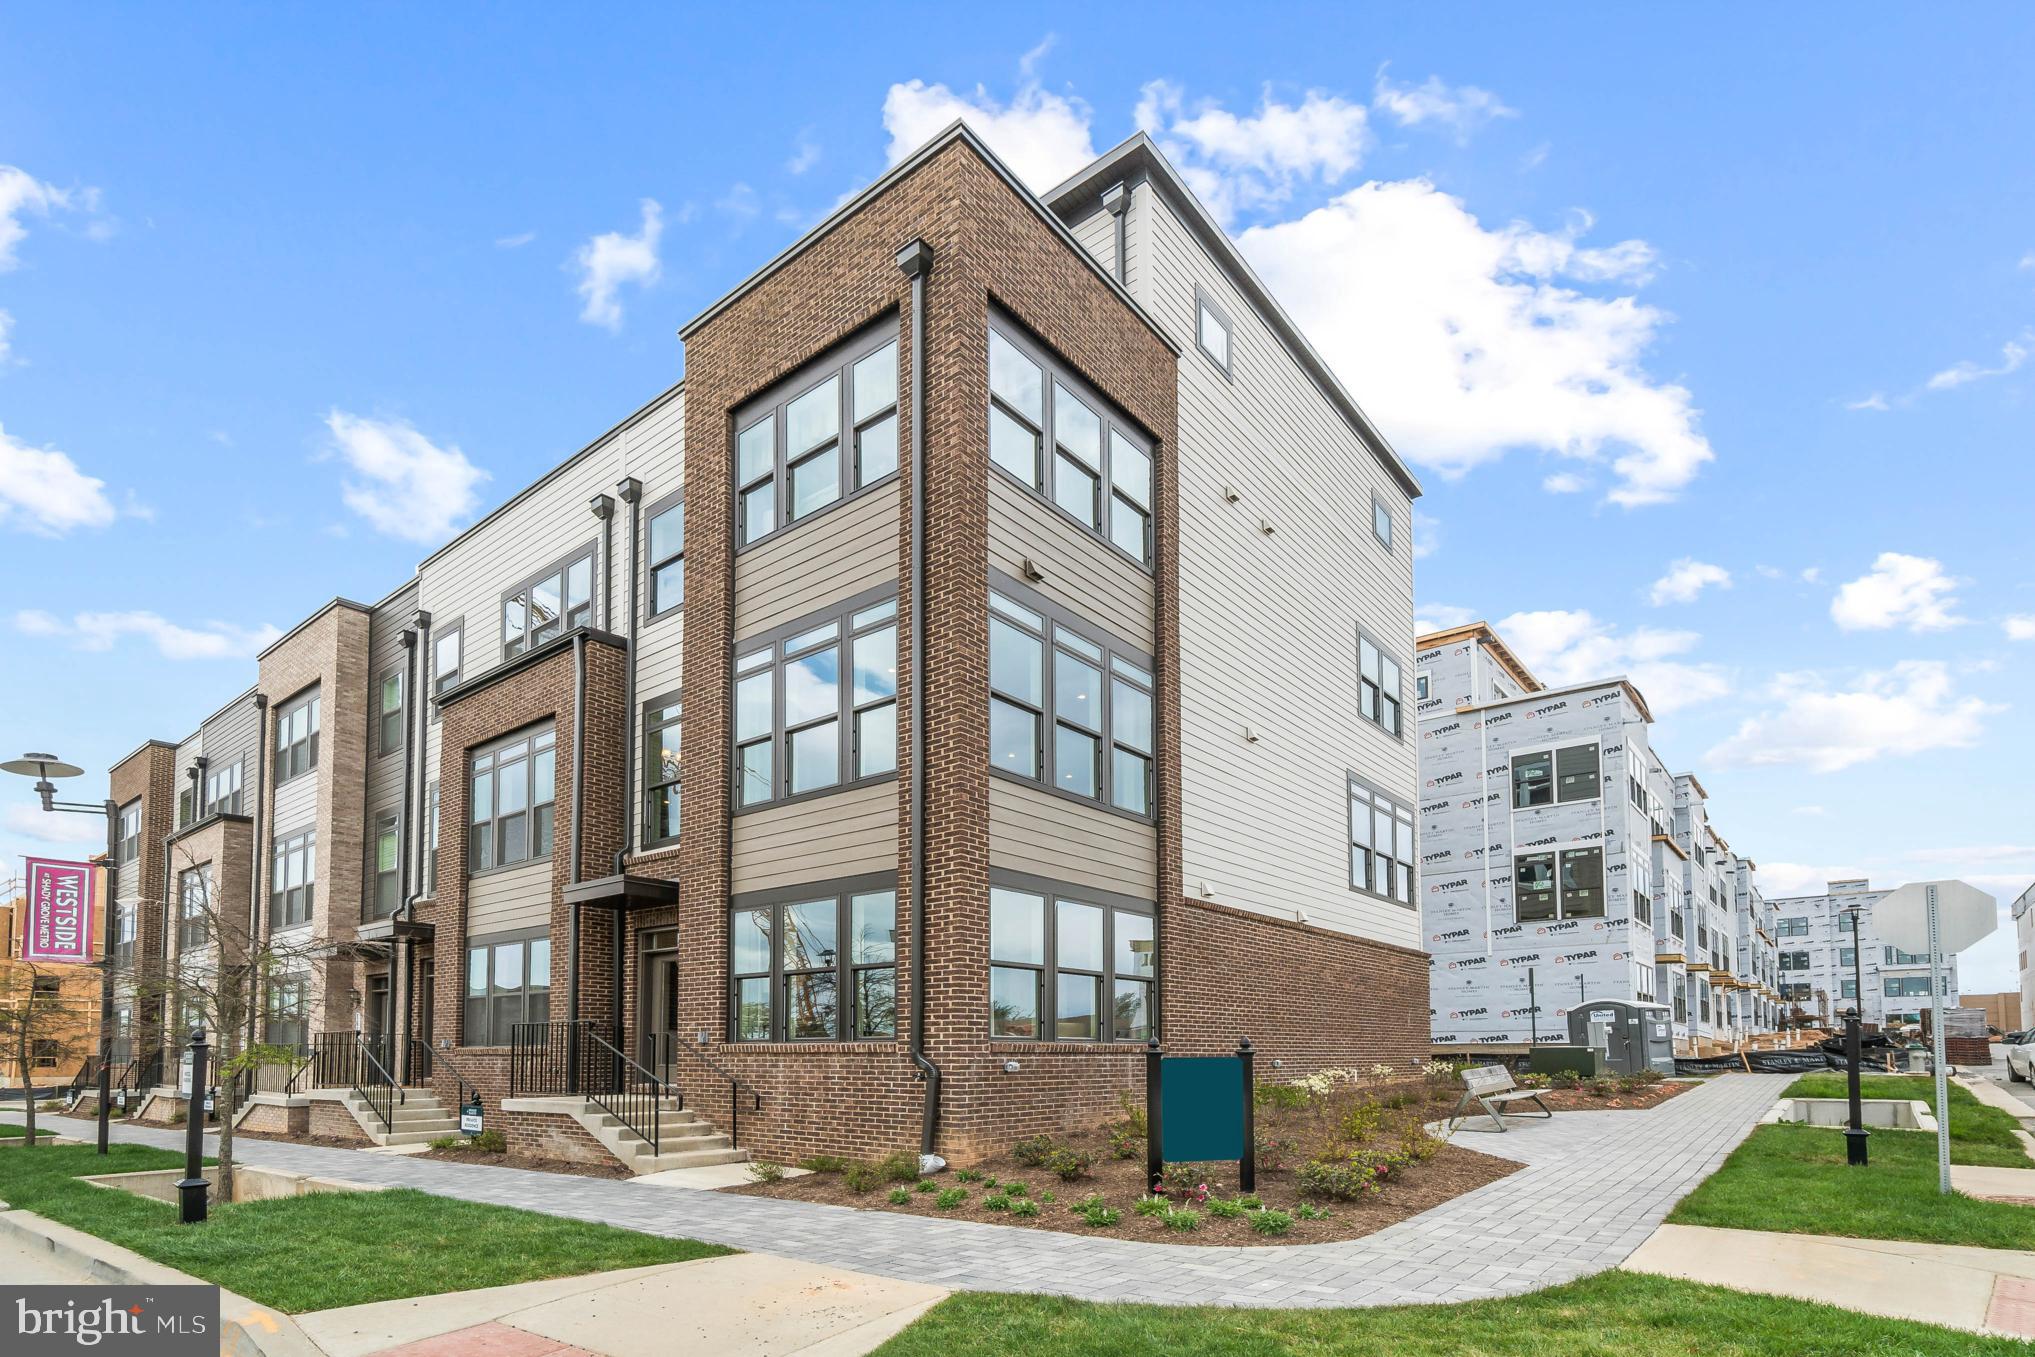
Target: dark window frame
(287, 1012)
(293, 906)
(525, 992)
(1559, 884)
(837, 363)
(385, 715)
(1374, 686)
(1056, 627)
(660, 714)
(219, 799)
(518, 596)
(654, 565)
(1385, 538)
(525, 747)
(441, 679)
(1406, 861)
(1226, 363)
(194, 924)
(378, 876)
(129, 844)
(846, 971)
(771, 653)
(1048, 970)
(297, 756)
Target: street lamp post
(43, 767)
(1855, 1134)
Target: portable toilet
(1632, 1036)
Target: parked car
(2021, 1061)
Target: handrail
(380, 1094)
(466, 1085)
(544, 1057)
(736, 1087)
(624, 1090)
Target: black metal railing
(469, 1091)
(622, 1088)
(663, 1047)
(544, 1057)
(373, 1083)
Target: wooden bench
(1491, 1087)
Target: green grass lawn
(1614, 1314)
(1978, 1134)
(326, 1249)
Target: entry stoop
(685, 1139)
(419, 1119)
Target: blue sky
(1709, 331)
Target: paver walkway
(1594, 1187)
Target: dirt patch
(324, 1142)
(1582, 1100)
(517, 1161)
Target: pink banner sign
(58, 923)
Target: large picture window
(661, 724)
(1380, 685)
(1546, 776)
(510, 810)
(552, 603)
(222, 790)
(1069, 706)
(508, 981)
(1568, 884)
(1051, 432)
(194, 901)
(1068, 967)
(292, 879)
(297, 737)
(289, 1008)
(667, 555)
(829, 430)
(1381, 843)
(817, 964)
(802, 724)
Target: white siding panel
(1097, 234)
(296, 807)
(1081, 572)
(234, 736)
(827, 837)
(1032, 830)
(519, 897)
(839, 553)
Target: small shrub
(1271, 1222)
(1564, 1079)
(1440, 1074)
(951, 1198)
(967, 1175)
(1017, 1189)
(1309, 1211)
(52, 1105)
(1133, 1114)
(1182, 1218)
(766, 1170)
(1124, 1143)
(446, 1143)
(1361, 1173)
(1225, 1210)
(1600, 1087)
(996, 1201)
(859, 1177)
(1186, 1180)
(899, 1196)
(1285, 1096)
(991, 1182)
(1397, 1100)
(1152, 1206)
(1069, 1165)
(490, 1142)
(1417, 1146)
(1249, 1201)
(927, 1185)
(1044, 1198)
(1026, 1209)
(1532, 1080)
(1361, 1121)
(1096, 1213)
(1273, 1153)
(901, 1166)
(823, 1163)
(1647, 1077)
(1033, 1151)
(177, 1118)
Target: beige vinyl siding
(1082, 572)
(1097, 234)
(836, 554)
(1032, 830)
(1268, 622)
(820, 839)
(188, 752)
(517, 897)
(234, 736)
(296, 807)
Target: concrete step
(412, 1136)
(687, 1159)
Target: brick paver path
(1594, 1187)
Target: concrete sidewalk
(1979, 1290)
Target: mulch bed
(517, 1161)
(1582, 1100)
(1413, 1188)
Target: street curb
(245, 1328)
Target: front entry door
(657, 1000)
(376, 1018)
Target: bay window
(814, 964)
(823, 433)
(1069, 967)
(511, 806)
(799, 727)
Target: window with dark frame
(1099, 471)
(1563, 884)
(1212, 331)
(446, 655)
(1381, 522)
(386, 858)
(293, 872)
(1069, 706)
(1380, 685)
(661, 732)
(792, 455)
(123, 932)
(222, 789)
(289, 1007)
(666, 560)
(1381, 843)
(508, 981)
(819, 964)
(296, 743)
(1069, 967)
(549, 604)
(801, 726)
(130, 831)
(1545, 777)
(389, 713)
(194, 899)
(513, 785)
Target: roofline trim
(1617, 681)
(1499, 650)
(338, 602)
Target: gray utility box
(1632, 1036)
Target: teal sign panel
(1201, 1108)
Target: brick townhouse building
(996, 652)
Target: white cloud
(1811, 574)
(1248, 162)
(1042, 136)
(2019, 627)
(515, 242)
(1462, 108)
(1686, 579)
(1564, 483)
(1570, 647)
(1908, 709)
(1876, 401)
(2012, 354)
(613, 259)
(804, 156)
(1779, 880)
(739, 204)
(1464, 345)
(405, 485)
(1433, 617)
(42, 491)
(102, 631)
(22, 195)
(1810, 810)
(6, 330)
(1899, 591)
(1426, 535)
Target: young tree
(38, 1021)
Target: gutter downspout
(572, 870)
(254, 847)
(407, 821)
(915, 261)
(1117, 199)
(630, 491)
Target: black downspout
(1117, 199)
(416, 642)
(572, 869)
(630, 491)
(254, 910)
(915, 261)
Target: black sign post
(1854, 1134)
(1155, 1156)
(191, 1188)
(1247, 1170)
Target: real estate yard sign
(57, 923)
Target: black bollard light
(192, 1187)
(1854, 1134)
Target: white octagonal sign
(1964, 914)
